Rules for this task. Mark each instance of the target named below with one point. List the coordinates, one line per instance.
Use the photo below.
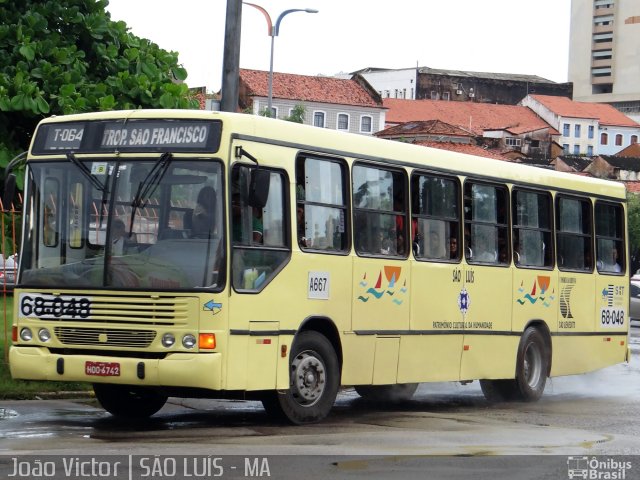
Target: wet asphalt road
(593, 414)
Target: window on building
(610, 248)
(634, 139)
(591, 131)
(566, 128)
(618, 139)
(576, 149)
(446, 96)
(590, 151)
(380, 211)
(321, 204)
(434, 95)
(513, 142)
(486, 223)
(574, 235)
(343, 121)
(565, 148)
(576, 132)
(319, 119)
(604, 138)
(365, 124)
(532, 220)
(435, 225)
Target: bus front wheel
(387, 393)
(532, 366)
(314, 380)
(127, 401)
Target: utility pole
(231, 59)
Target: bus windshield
(133, 223)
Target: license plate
(102, 369)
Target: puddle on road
(7, 413)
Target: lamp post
(273, 33)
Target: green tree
(68, 56)
(633, 219)
(297, 114)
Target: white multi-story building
(604, 58)
(392, 83)
(585, 128)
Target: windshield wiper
(85, 171)
(147, 186)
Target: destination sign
(171, 136)
(140, 135)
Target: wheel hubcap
(308, 378)
(532, 365)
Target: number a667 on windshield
(318, 286)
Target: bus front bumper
(197, 370)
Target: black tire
(532, 368)
(127, 401)
(314, 381)
(387, 393)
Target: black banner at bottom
(309, 467)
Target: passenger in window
(613, 265)
(453, 247)
(121, 244)
(203, 213)
(302, 240)
(434, 247)
(257, 227)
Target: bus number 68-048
(612, 317)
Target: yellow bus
(209, 254)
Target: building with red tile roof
(501, 128)
(342, 104)
(585, 128)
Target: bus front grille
(105, 336)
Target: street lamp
(273, 33)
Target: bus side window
(574, 233)
(321, 204)
(532, 245)
(610, 249)
(381, 223)
(258, 236)
(436, 217)
(486, 223)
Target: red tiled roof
(632, 187)
(605, 114)
(475, 117)
(632, 151)
(463, 148)
(307, 88)
(429, 127)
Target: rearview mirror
(9, 191)
(259, 188)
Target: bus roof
(331, 142)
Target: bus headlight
(189, 341)
(44, 335)
(168, 339)
(25, 334)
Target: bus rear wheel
(314, 381)
(387, 393)
(127, 401)
(532, 367)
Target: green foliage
(633, 219)
(68, 56)
(297, 114)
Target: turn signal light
(14, 333)
(207, 341)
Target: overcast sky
(501, 36)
